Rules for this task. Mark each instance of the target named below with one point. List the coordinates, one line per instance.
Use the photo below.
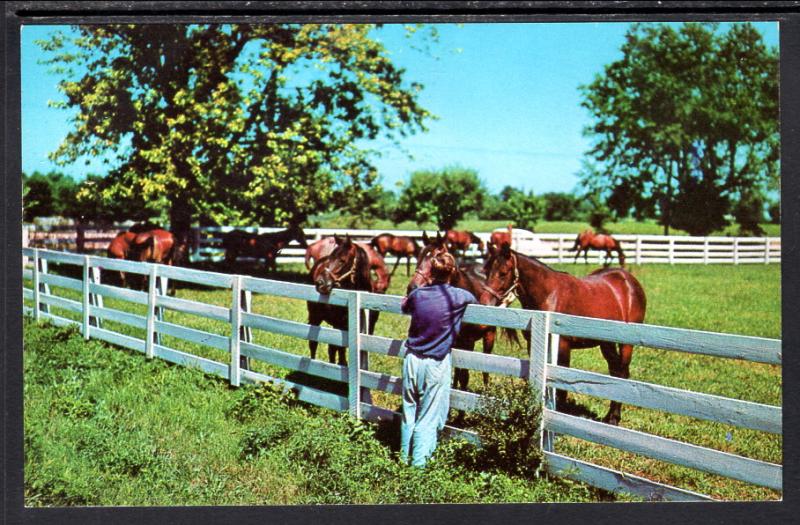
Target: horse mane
(536, 262)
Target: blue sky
(506, 96)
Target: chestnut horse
(469, 278)
(239, 243)
(597, 241)
(158, 246)
(399, 246)
(347, 267)
(461, 241)
(118, 248)
(608, 293)
(500, 238)
(325, 246)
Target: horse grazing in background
(239, 243)
(158, 246)
(608, 293)
(588, 239)
(347, 267)
(399, 246)
(500, 238)
(468, 277)
(118, 248)
(325, 246)
(461, 241)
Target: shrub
(509, 427)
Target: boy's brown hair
(442, 267)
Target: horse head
(422, 275)
(341, 266)
(298, 234)
(502, 277)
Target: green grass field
(180, 420)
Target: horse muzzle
(324, 286)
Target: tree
(48, 195)
(231, 123)
(522, 209)
(560, 206)
(684, 116)
(749, 213)
(443, 197)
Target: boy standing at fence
(436, 313)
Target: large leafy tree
(443, 196)
(686, 122)
(231, 123)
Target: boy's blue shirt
(436, 314)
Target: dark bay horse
(608, 293)
(588, 239)
(470, 278)
(239, 243)
(399, 246)
(347, 267)
(325, 246)
(461, 241)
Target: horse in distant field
(399, 246)
(588, 239)
(461, 241)
(118, 248)
(348, 268)
(325, 246)
(239, 243)
(468, 277)
(608, 293)
(500, 238)
(158, 246)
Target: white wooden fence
(540, 368)
(556, 247)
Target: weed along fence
(80, 302)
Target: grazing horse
(118, 248)
(347, 267)
(608, 293)
(597, 241)
(500, 238)
(461, 241)
(239, 243)
(468, 277)
(325, 246)
(399, 246)
(160, 247)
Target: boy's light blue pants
(426, 401)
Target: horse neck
(541, 281)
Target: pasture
(734, 299)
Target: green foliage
(443, 197)
(774, 212)
(47, 195)
(559, 206)
(684, 110)
(214, 121)
(509, 425)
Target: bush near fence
(540, 369)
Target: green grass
(157, 399)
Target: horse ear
(505, 249)
(425, 238)
(337, 239)
(438, 236)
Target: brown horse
(118, 248)
(325, 246)
(467, 277)
(399, 246)
(609, 293)
(500, 238)
(347, 267)
(597, 241)
(461, 241)
(158, 246)
(239, 243)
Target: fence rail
(539, 369)
(549, 247)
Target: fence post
(537, 369)
(561, 248)
(162, 285)
(85, 297)
(766, 250)
(44, 287)
(236, 325)
(245, 332)
(705, 250)
(366, 393)
(638, 249)
(36, 292)
(671, 250)
(354, 349)
(151, 312)
(95, 299)
(736, 250)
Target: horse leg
(564, 355)
(618, 366)
(314, 319)
(488, 346)
(396, 262)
